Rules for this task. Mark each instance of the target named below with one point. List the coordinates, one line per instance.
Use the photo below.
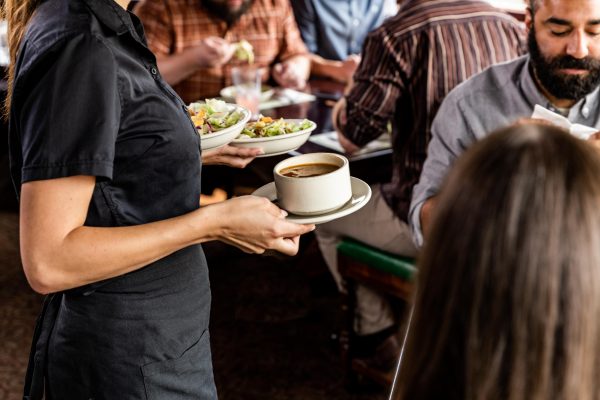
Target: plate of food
(275, 136)
(266, 92)
(217, 122)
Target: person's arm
(60, 253)
(341, 71)
(425, 214)
(370, 104)
(60, 163)
(451, 134)
(159, 31)
(338, 116)
(209, 52)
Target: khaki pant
(376, 225)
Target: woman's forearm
(177, 67)
(59, 253)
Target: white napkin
(286, 97)
(330, 140)
(577, 130)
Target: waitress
(107, 165)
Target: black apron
(143, 335)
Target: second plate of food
(217, 122)
(275, 136)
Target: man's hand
(236, 157)
(348, 68)
(426, 215)
(290, 74)
(594, 140)
(338, 115)
(213, 51)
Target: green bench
(387, 273)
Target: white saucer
(361, 193)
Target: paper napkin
(577, 130)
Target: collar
(111, 15)
(579, 111)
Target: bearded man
(561, 73)
(193, 41)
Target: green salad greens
(213, 115)
(267, 126)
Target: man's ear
(528, 19)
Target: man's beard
(558, 84)
(222, 11)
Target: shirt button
(585, 111)
(153, 71)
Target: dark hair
(17, 14)
(508, 299)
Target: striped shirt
(172, 26)
(409, 65)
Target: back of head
(509, 282)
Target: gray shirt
(488, 101)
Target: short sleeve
(304, 13)
(154, 15)
(68, 112)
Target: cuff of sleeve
(415, 225)
(102, 169)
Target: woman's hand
(236, 157)
(254, 224)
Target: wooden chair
(388, 273)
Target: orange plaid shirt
(174, 25)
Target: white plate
(276, 145)
(361, 193)
(224, 136)
(228, 93)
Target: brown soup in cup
(308, 170)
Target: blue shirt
(335, 29)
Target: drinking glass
(247, 81)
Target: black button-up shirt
(89, 100)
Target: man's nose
(578, 45)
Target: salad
(267, 126)
(244, 51)
(213, 115)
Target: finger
(242, 151)
(291, 229)
(287, 246)
(234, 162)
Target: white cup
(315, 194)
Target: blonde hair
(508, 300)
(17, 13)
